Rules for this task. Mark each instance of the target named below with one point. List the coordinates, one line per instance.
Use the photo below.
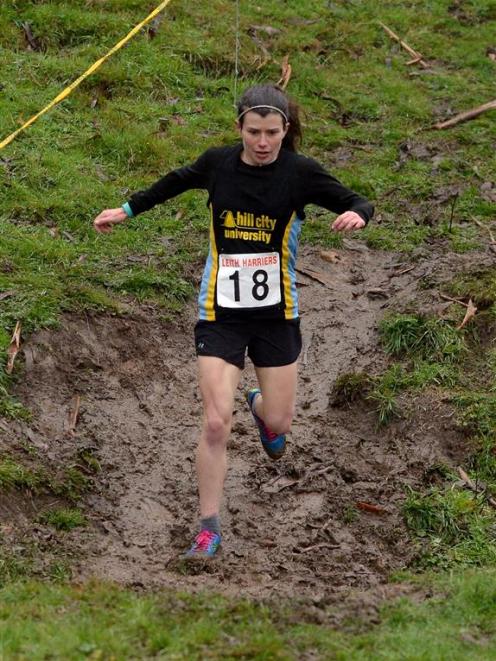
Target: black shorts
(268, 343)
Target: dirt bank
(291, 527)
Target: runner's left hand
(347, 221)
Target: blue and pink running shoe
(273, 444)
(204, 547)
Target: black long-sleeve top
(256, 216)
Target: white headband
(264, 106)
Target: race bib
(249, 280)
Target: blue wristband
(128, 210)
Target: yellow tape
(87, 73)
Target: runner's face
(262, 137)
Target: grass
(456, 527)
(63, 518)
(15, 475)
(67, 482)
(104, 621)
(382, 390)
(160, 101)
(479, 285)
(154, 106)
(428, 338)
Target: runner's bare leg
(277, 403)
(218, 382)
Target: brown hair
(271, 98)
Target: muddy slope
(291, 527)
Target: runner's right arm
(196, 175)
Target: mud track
(290, 527)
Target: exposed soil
(291, 527)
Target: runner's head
(271, 101)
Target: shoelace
(203, 539)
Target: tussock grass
(457, 527)
(480, 286)
(69, 482)
(478, 413)
(15, 475)
(63, 518)
(429, 338)
(382, 390)
(350, 388)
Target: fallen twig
(465, 116)
(266, 54)
(30, 38)
(73, 416)
(491, 235)
(469, 483)
(314, 275)
(469, 314)
(453, 300)
(322, 545)
(13, 349)
(286, 71)
(398, 273)
(6, 294)
(417, 57)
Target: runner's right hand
(104, 221)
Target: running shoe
(205, 546)
(273, 444)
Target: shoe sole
(274, 456)
(198, 561)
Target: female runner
(248, 304)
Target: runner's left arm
(321, 188)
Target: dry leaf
(13, 349)
(369, 507)
(330, 256)
(281, 483)
(469, 314)
(178, 119)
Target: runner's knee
(217, 427)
